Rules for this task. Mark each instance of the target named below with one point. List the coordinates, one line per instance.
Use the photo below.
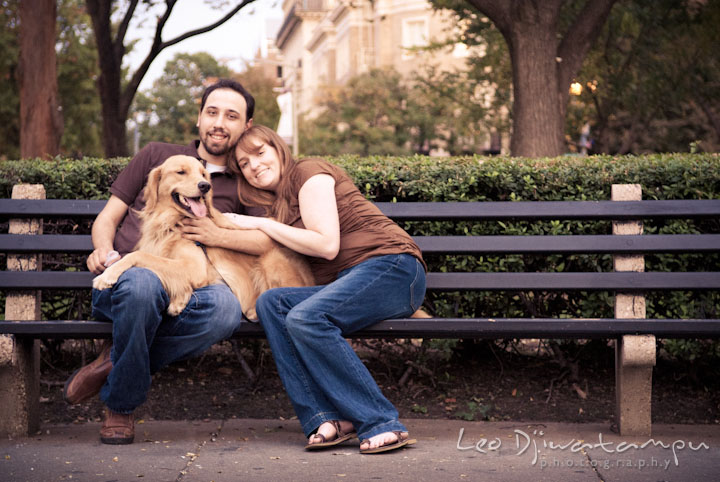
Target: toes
(380, 440)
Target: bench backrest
(447, 211)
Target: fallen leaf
(514, 392)
(579, 391)
(225, 370)
(450, 400)
(274, 458)
(115, 459)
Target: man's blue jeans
(305, 327)
(146, 338)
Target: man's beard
(216, 149)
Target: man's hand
(100, 259)
(202, 230)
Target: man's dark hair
(237, 87)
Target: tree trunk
(544, 62)
(537, 113)
(110, 54)
(40, 117)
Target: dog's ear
(151, 188)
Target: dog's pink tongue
(198, 208)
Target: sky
(233, 43)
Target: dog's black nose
(204, 187)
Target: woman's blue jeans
(146, 338)
(305, 327)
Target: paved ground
(252, 449)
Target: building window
(415, 32)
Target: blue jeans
(305, 327)
(146, 338)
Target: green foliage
(474, 409)
(654, 74)
(256, 81)
(379, 112)
(87, 178)
(9, 91)
(370, 115)
(169, 111)
(77, 75)
(692, 350)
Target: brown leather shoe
(87, 381)
(117, 429)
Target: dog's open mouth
(196, 205)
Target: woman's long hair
(276, 204)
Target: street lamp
(576, 88)
(294, 92)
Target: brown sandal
(402, 441)
(340, 437)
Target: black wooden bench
(635, 333)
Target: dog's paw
(104, 281)
(251, 315)
(176, 307)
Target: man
(145, 337)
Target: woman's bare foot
(385, 441)
(330, 434)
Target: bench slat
(536, 210)
(591, 281)
(46, 243)
(50, 207)
(547, 244)
(570, 244)
(430, 328)
(491, 210)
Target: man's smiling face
(220, 124)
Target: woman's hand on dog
(244, 222)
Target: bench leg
(634, 362)
(20, 358)
(19, 387)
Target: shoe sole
(331, 443)
(389, 447)
(117, 440)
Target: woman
(368, 270)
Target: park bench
(635, 335)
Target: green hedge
(667, 176)
(420, 178)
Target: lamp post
(294, 106)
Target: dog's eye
(181, 172)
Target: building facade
(324, 43)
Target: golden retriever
(180, 188)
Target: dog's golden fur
(175, 191)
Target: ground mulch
(482, 380)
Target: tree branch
(498, 13)
(192, 33)
(122, 28)
(158, 46)
(580, 37)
